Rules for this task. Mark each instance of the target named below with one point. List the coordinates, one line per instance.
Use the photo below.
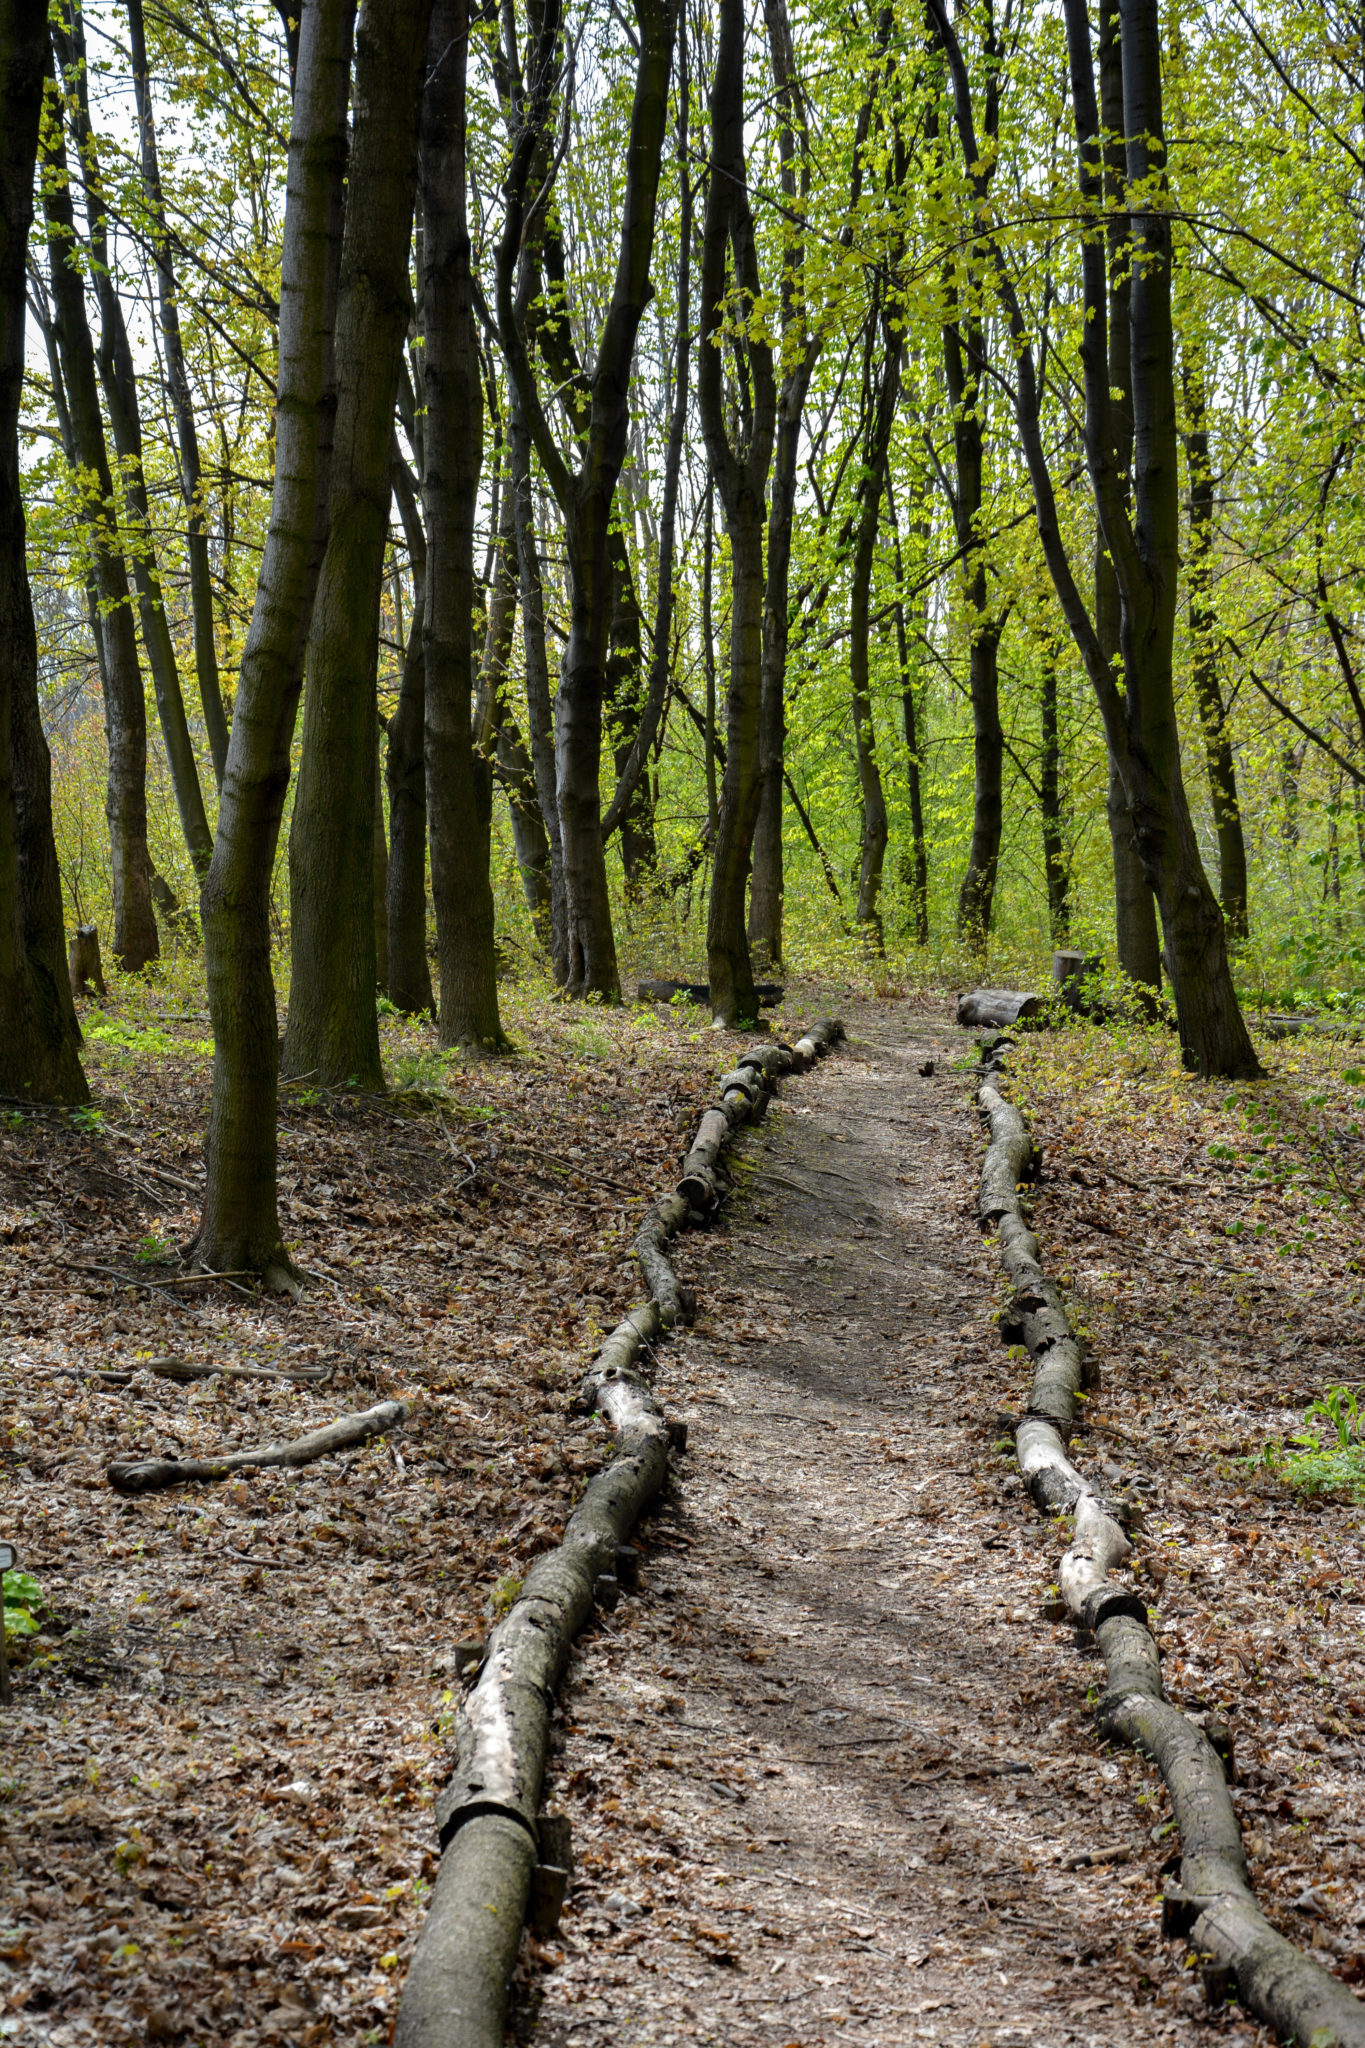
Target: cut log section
(997, 1009)
(1213, 1906)
(153, 1475)
(488, 1814)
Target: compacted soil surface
(832, 1774)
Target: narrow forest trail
(827, 1772)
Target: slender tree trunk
(1218, 758)
(39, 1036)
(741, 475)
(240, 1225)
(459, 780)
(1052, 809)
(379, 869)
(332, 1036)
(880, 388)
(119, 381)
(585, 495)
(963, 358)
(409, 981)
(539, 711)
(182, 406)
(916, 871)
(625, 694)
(708, 655)
(1137, 939)
(125, 713)
(515, 771)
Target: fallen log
(815, 1043)
(1213, 1906)
(766, 993)
(153, 1475)
(997, 1008)
(488, 1815)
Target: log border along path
(499, 1853)
(1213, 1905)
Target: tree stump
(84, 964)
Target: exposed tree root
(152, 1475)
(496, 1845)
(1213, 1905)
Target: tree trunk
(501, 732)
(916, 870)
(880, 391)
(332, 1036)
(1145, 553)
(1137, 939)
(539, 711)
(625, 693)
(1052, 808)
(459, 780)
(119, 380)
(1227, 810)
(409, 982)
(125, 713)
(379, 870)
(708, 654)
(963, 359)
(729, 968)
(585, 495)
(240, 1225)
(741, 475)
(39, 1036)
(182, 406)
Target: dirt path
(826, 1773)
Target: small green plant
(1328, 1454)
(152, 1250)
(505, 1594)
(23, 1601)
(91, 1120)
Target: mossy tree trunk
(409, 983)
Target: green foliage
(1328, 1454)
(151, 1038)
(23, 1602)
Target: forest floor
(832, 1775)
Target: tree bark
(740, 469)
(459, 780)
(1218, 758)
(240, 1226)
(332, 1036)
(626, 693)
(182, 406)
(409, 982)
(539, 710)
(39, 1036)
(136, 942)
